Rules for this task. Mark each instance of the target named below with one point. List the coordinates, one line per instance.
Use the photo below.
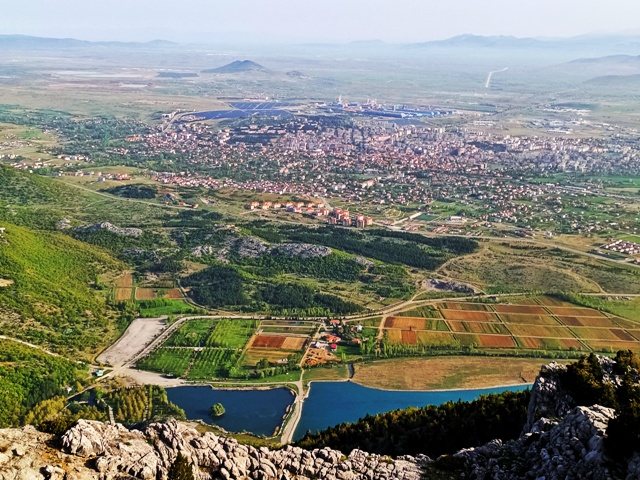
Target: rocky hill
(561, 440)
(239, 66)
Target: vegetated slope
(28, 376)
(51, 295)
(18, 188)
(34, 201)
(432, 430)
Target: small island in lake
(217, 410)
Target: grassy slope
(51, 301)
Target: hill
(239, 66)
(51, 294)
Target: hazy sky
(314, 20)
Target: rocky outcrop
(248, 247)
(560, 440)
(126, 232)
(569, 448)
(304, 250)
(94, 450)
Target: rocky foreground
(560, 441)
(94, 450)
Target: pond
(257, 411)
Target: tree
(217, 410)
(180, 469)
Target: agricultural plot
(469, 316)
(213, 363)
(553, 302)
(477, 327)
(173, 294)
(465, 306)
(549, 343)
(146, 293)
(268, 341)
(624, 323)
(467, 340)
(124, 281)
(602, 322)
(612, 347)
(294, 343)
(541, 323)
(547, 331)
(528, 309)
(405, 322)
(231, 333)
(174, 361)
(409, 337)
(281, 342)
(528, 319)
(123, 294)
(587, 333)
(192, 334)
(576, 311)
(425, 312)
(253, 355)
(496, 341)
(434, 338)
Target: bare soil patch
(293, 343)
(146, 294)
(502, 341)
(268, 341)
(405, 322)
(409, 337)
(173, 294)
(123, 294)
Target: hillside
(239, 66)
(29, 376)
(51, 293)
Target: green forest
(28, 376)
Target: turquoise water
(332, 403)
(257, 411)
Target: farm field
(532, 323)
(446, 372)
(469, 316)
(533, 319)
(123, 294)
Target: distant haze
(272, 21)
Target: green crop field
(174, 361)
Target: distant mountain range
(239, 66)
(610, 60)
(26, 41)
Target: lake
(331, 403)
(257, 411)
(328, 404)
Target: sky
(397, 21)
